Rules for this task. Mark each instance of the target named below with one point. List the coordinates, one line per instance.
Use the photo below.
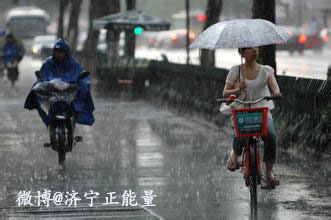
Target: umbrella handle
(238, 77)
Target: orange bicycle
(250, 124)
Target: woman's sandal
(271, 183)
(231, 164)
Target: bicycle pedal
(47, 145)
(78, 139)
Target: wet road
(178, 160)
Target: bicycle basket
(250, 121)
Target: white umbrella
(240, 33)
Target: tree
(112, 35)
(130, 38)
(73, 23)
(62, 7)
(213, 11)
(266, 10)
(97, 9)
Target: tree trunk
(113, 36)
(130, 38)
(92, 36)
(73, 23)
(266, 10)
(187, 6)
(131, 4)
(213, 11)
(62, 7)
(98, 8)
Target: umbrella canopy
(128, 20)
(240, 33)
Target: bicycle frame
(250, 154)
(251, 124)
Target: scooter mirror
(37, 73)
(83, 74)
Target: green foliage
(305, 132)
(326, 114)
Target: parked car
(303, 38)
(42, 46)
(296, 41)
(315, 39)
(173, 39)
(325, 34)
(147, 39)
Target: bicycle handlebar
(268, 98)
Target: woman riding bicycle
(253, 84)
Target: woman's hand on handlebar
(274, 96)
(277, 95)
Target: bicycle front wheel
(253, 198)
(253, 178)
(62, 143)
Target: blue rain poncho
(68, 70)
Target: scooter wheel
(62, 143)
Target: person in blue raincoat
(12, 48)
(62, 65)
(12, 51)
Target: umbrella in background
(128, 20)
(240, 33)
(131, 21)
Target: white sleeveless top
(256, 88)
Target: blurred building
(300, 12)
(324, 6)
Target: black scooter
(57, 96)
(12, 71)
